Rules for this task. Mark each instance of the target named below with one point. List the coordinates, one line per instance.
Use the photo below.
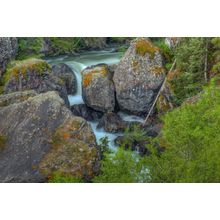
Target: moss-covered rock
(138, 76)
(98, 88)
(33, 74)
(43, 138)
(73, 152)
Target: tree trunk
(206, 60)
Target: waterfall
(77, 64)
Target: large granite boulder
(8, 49)
(33, 74)
(98, 89)
(41, 137)
(139, 76)
(65, 73)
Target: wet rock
(85, 112)
(111, 122)
(140, 147)
(42, 137)
(98, 88)
(65, 73)
(139, 76)
(8, 49)
(34, 74)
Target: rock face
(98, 88)
(85, 112)
(65, 73)
(138, 76)
(16, 97)
(94, 42)
(34, 74)
(43, 137)
(8, 49)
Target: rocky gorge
(55, 111)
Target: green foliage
(29, 47)
(133, 135)
(191, 138)
(216, 55)
(63, 45)
(167, 52)
(122, 166)
(190, 62)
(104, 146)
(63, 178)
(120, 40)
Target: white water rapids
(77, 64)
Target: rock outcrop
(139, 76)
(42, 137)
(85, 112)
(65, 73)
(8, 49)
(98, 89)
(33, 74)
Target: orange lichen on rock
(158, 70)
(97, 71)
(21, 67)
(144, 46)
(73, 151)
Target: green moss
(70, 154)
(63, 178)
(17, 68)
(144, 46)
(3, 140)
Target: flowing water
(80, 62)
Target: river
(77, 64)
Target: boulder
(65, 73)
(8, 49)
(139, 76)
(41, 137)
(16, 97)
(111, 122)
(85, 112)
(33, 74)
(98, 88)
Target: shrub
(122, 166)
(29, 47)
(190, 62)
(191, 138)
(63, 178)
